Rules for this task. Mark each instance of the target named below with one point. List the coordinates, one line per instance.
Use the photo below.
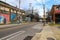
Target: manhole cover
(50, 39)
(28, 38)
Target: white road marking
(12, 34)
(16, 35)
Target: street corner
(36, 37)
(56, 32)
(46, 34)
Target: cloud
(37, 4)
(56, 1)
(25, 3)
(11, 2)
(42, 1)
(40, 10)
(2, 0)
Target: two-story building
(55, 13)
(8, 12)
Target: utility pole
(30, 5)
(43, 4)
(19, 8)
(54, 9)
(32, 10)
(44, 14)
(19, 5)
(5, 0)
(4, 8)
(54, 15)
(18, 15)
(20, 12)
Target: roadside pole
(44, 15)
(5, 0)
(54, 15)
(20, 14)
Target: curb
(12, 25)
(8, 26)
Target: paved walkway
(56, 31)
(12, 25)
(8, 25)
(48, 33)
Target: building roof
(6, 4)
(56, 5)
(10, 6)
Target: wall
(7, 17)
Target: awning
(57, 11)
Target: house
(55, 13)
(9, 12)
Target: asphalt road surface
(20, 32)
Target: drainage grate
(28, 38)
(50, 39)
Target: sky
(36, 4)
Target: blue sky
(37, 4)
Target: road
(20, 32)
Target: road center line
(12, 35)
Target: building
(55, 13)
(9, 12)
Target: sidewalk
(48, 33)
(56, 31)
(11, 25)
(8, 25)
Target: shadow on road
(28, 38)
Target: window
(18, 12)
(6, 9)
(2, 8)
(11, 10)
(14, 11)
(58, 8)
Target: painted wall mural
(12, 16)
